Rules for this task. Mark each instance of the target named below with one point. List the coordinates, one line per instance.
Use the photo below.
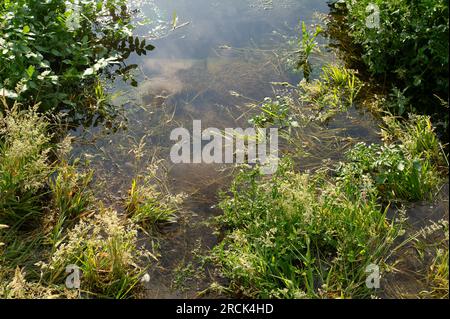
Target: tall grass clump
(301, 236)
(41, 190)
(71, 198)
(334, 91)
(105, 248)
(437, 275)
(24, 164)
(149, 203)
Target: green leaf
(55, 52)
(30, 70)
(174, 20)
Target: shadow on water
(223, 59)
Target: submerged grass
(149, 207)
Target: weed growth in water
(307, 45)
(335, 91)
(147, 206)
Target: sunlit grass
(105, 249)
(301, 236)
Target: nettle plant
(60, 52)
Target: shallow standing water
(212, 59)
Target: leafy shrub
(300, 236)
(46, 57)
(408, 50)
(398, 103)
(335, 91)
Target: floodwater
(214, 61)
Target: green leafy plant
(44, 58)
(273, 112)
(408, 50)
(308, 45)
(396, 174)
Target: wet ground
(424, 222)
